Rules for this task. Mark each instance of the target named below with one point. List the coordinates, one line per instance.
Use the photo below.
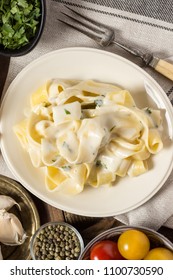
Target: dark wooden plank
(167, 232)
(89, 227)
(47, 212)
(4, 66)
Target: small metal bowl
(28, 216)
(33, 42)
(62, 242)
(156, 239)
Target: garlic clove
(6, 202)
(11, 230)
(1, 257)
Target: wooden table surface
(4, 65)
(88, 227)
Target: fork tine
(88, 20)
(80, 29)
(95, 30)
(82, 23)
(99, 32)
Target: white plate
(85, 63)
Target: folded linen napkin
(154, 213)
(146, 26)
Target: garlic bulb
(11, 230)
(1, 257)
(6, 202)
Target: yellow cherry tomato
(159, 254)
(133, 244)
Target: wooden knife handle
(165, 68)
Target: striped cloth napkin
(147, 25)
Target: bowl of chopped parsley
(21, 25)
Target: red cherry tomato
(105, 250)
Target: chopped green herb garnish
(112, 128)
(66, 145)
(104, 165)
(46, 104)
(98, 102)
(18, 22)
(100, 164)
(67, 112)
(148, 110)
(66, 167)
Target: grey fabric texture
(162, 9)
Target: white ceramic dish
(85, 63)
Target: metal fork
(105, 36)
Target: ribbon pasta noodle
(88, 133)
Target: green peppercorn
(58, 258)
(57, 242)
(77, 250)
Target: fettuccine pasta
(88, 133)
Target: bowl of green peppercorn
(56, 241)
(21, 25)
